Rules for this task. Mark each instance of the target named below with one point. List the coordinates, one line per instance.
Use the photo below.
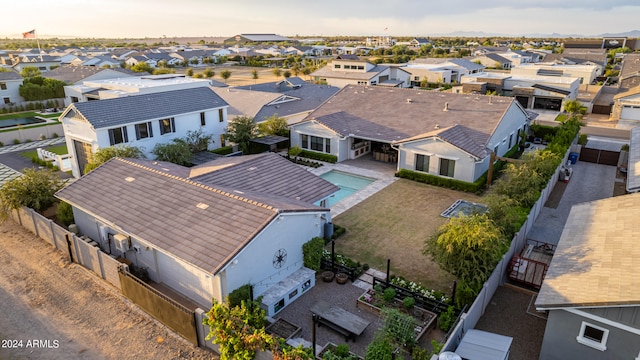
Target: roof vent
(202, 206)
(408, 101)
(446, 106)
(129, 179)
(437, 126)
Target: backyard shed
(482, 345)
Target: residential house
(256, 38)
(292, 99)
(531, 91)
(518, 57)
(441, 134)
(142, 121)
(75, 75)
(626, 108)
(420, 41)
(111, 87)
(101, 61)
(341, 72)
(494, 61)
(440, 70)
(586, 73)
(208, 230)
(140, 58)
(591, 291)
(629, 71)
(41, 62)
(10, 82)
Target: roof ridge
(195, 183)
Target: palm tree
(572, 108)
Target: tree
(208, 73)
(277, 72)
(34, 189)
(286, 74)
(142, 67)
(254, 75)
(189, 72)
(306, 71)
(29, 72)
(572, 107)
(104, 154)
(177, 152)
(240, 131)
(225, 74)
(468, 247)
(197, 140)
(274, 125)
(163, 70)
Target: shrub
(379, 349)
(319, 156)
(312, 253)
(1, 144)
(225, 150)
(474, 187)
(409, 302)
(237, 296)
(54, 136)
(389, 294)
(34, 190)
(446, 319)
(295, 151)
(28, 140)
(65, 213)
(337, 231)
(16, 141)
(342, 350)
(582, 139)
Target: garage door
(630, 113)
(597, 156)
(185, 279)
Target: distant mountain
(481, 34)
(631, 34)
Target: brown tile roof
(597, 262)
(266, 173)
(630, 65)
(200, 224)
(415, 112)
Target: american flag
(29, 34)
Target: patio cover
(482, 345)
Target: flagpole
(35, 32)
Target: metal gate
(604, 157)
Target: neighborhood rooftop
(597, 261)
(114, 112)
(201, 224)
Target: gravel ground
(72, 313)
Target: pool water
(347, 183)
(6, 123)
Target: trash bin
(573, 157)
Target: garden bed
(332, 347)
(283, 329)
(425, 319)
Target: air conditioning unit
(122, 242)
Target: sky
(197, 18)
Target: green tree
(286, 74)
(208, 73)
(468, 247)
(572, 107)
(240, 131)
(274, 125)
(254, 75)
(30, 72)
(197, 140)
(177, 152)
(64, 213)
(142, 67)
(34, 189)
(225, 74)
(104, 154)
(163, 70)
(189, 72)
(277, 72)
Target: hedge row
(475, 187)
(319, 156)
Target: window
(317, 143)
(510, 140)
(278, 306)
(593, 336)
(3, 86)
(7, 100)
(422, 163)
(203, 122)
(293, 294)
(447, 167)
(336, 66)
(167, 126)
(118, 136)
(143, 131)
(327, 146)
(220, 115)
(304, 141)
(74, 99)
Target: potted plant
(327, 276)
(341, 278)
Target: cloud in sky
(153, 18)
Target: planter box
(283, 329)
(331, 346)
(425, 318)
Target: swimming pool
(6, 123)
(348, 184)
(463, 207)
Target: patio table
(342, 321)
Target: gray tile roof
(497, 58)
(72, 74)
(551, 89)
(597, 261)
(137, 108)
(10, 75)
(346, 124)
(329, 72)
(479, 115)
(266, 173)
(162, 209)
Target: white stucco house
(142, 121)
(200, 232)
(341, 72)
(626, 108)
(441, 134)
(10, 82)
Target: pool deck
(383, 173)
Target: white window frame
(602, 345)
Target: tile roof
(551, 89)
(201, 224)
(267, 173)
(630, 65)
(136, 108)
(72, 74)
(346, 124)
(10, 75)
(328, 71)
(597, 261)
(415, 112)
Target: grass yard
(394, 223)
(59, 149)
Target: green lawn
(59, 149)
(19, 115)
(394, 224)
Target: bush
(389, 294)
(54, 136)
(295, 151)
(225, 150)
(342, 350)
(475, 187)
(446, 319)
(582, 139)
(337, 231)
(319, 156)
(16, 141)
(243, 293)
(34, 190)
(409, 302)
(312, 253)
(379, 349)
(65, 213)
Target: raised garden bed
(332, 347)
(425, 319)
(283, 329)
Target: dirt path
(68, 312)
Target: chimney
(446, 106)
(490, 98)
(408, 101)
(437, 126)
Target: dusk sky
(158, 18)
